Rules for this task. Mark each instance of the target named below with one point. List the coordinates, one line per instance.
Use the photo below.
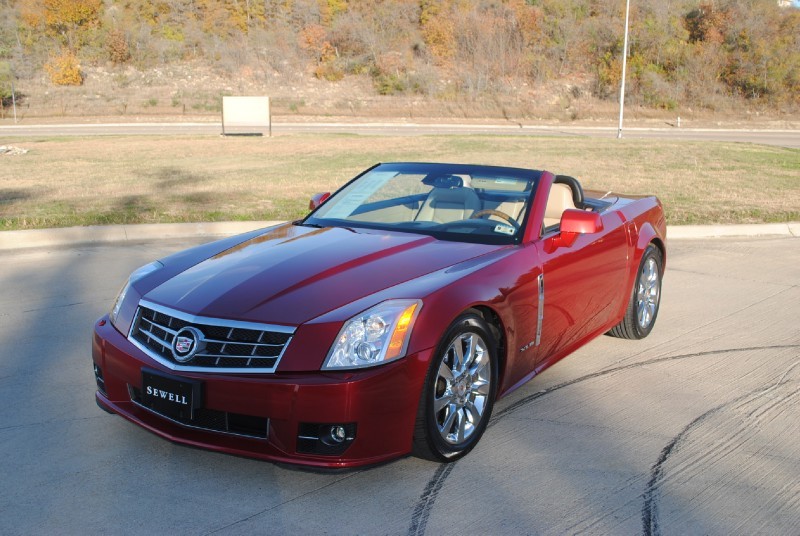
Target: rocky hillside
(558, 59)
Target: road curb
(99, 234)
(689, 232)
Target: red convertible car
(386, 322)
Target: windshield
(466, 203)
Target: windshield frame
(531, 177)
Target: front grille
(213, 420)
(225, 346)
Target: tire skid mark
(700, 328)
(422, 510)
(530, 398)
(650, 524)
(734, 440)
(249, 517)
(650, 510)
(427, 500)
(758, 414)
(710, 459)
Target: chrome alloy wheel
(648, 292)
(462, 388)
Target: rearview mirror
(317, 200)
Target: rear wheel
(459, 391)
(640, 316)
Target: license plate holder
(173, 397)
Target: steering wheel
(502, 215)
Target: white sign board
(246, 115)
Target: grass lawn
(105, 180)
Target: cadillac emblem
(187, 342)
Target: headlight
(134, 277)
(374, 337)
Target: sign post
(246, 116)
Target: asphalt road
(782, 138)
(690, 431)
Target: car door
(581, 282)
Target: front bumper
(273, 416)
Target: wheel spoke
(447, 425)
(445, 373)
(461, 425)
(481, 387)
(479, 364)
(469, 355)
(441, 403)
(647, 273)
(653, 271)
(474, 412)
(458, 355)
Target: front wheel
(640, 316)
(459, 391)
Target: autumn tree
(438, 30)
(71, 20)
(117, 45)
(682, 53)
(64, 69)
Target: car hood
(292, 274)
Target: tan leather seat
(444, 205)
(559, 200)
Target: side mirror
(317, 200)
(574, 222)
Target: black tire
(645, 298)
(465, 400)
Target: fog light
(328, 439)
(98, 378)
(338, 434)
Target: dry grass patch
(84, 181)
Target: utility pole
(624, 65)
(14, 101)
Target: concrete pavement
(779, 137)
(690, 431)
(93, 234)
(132, 233)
